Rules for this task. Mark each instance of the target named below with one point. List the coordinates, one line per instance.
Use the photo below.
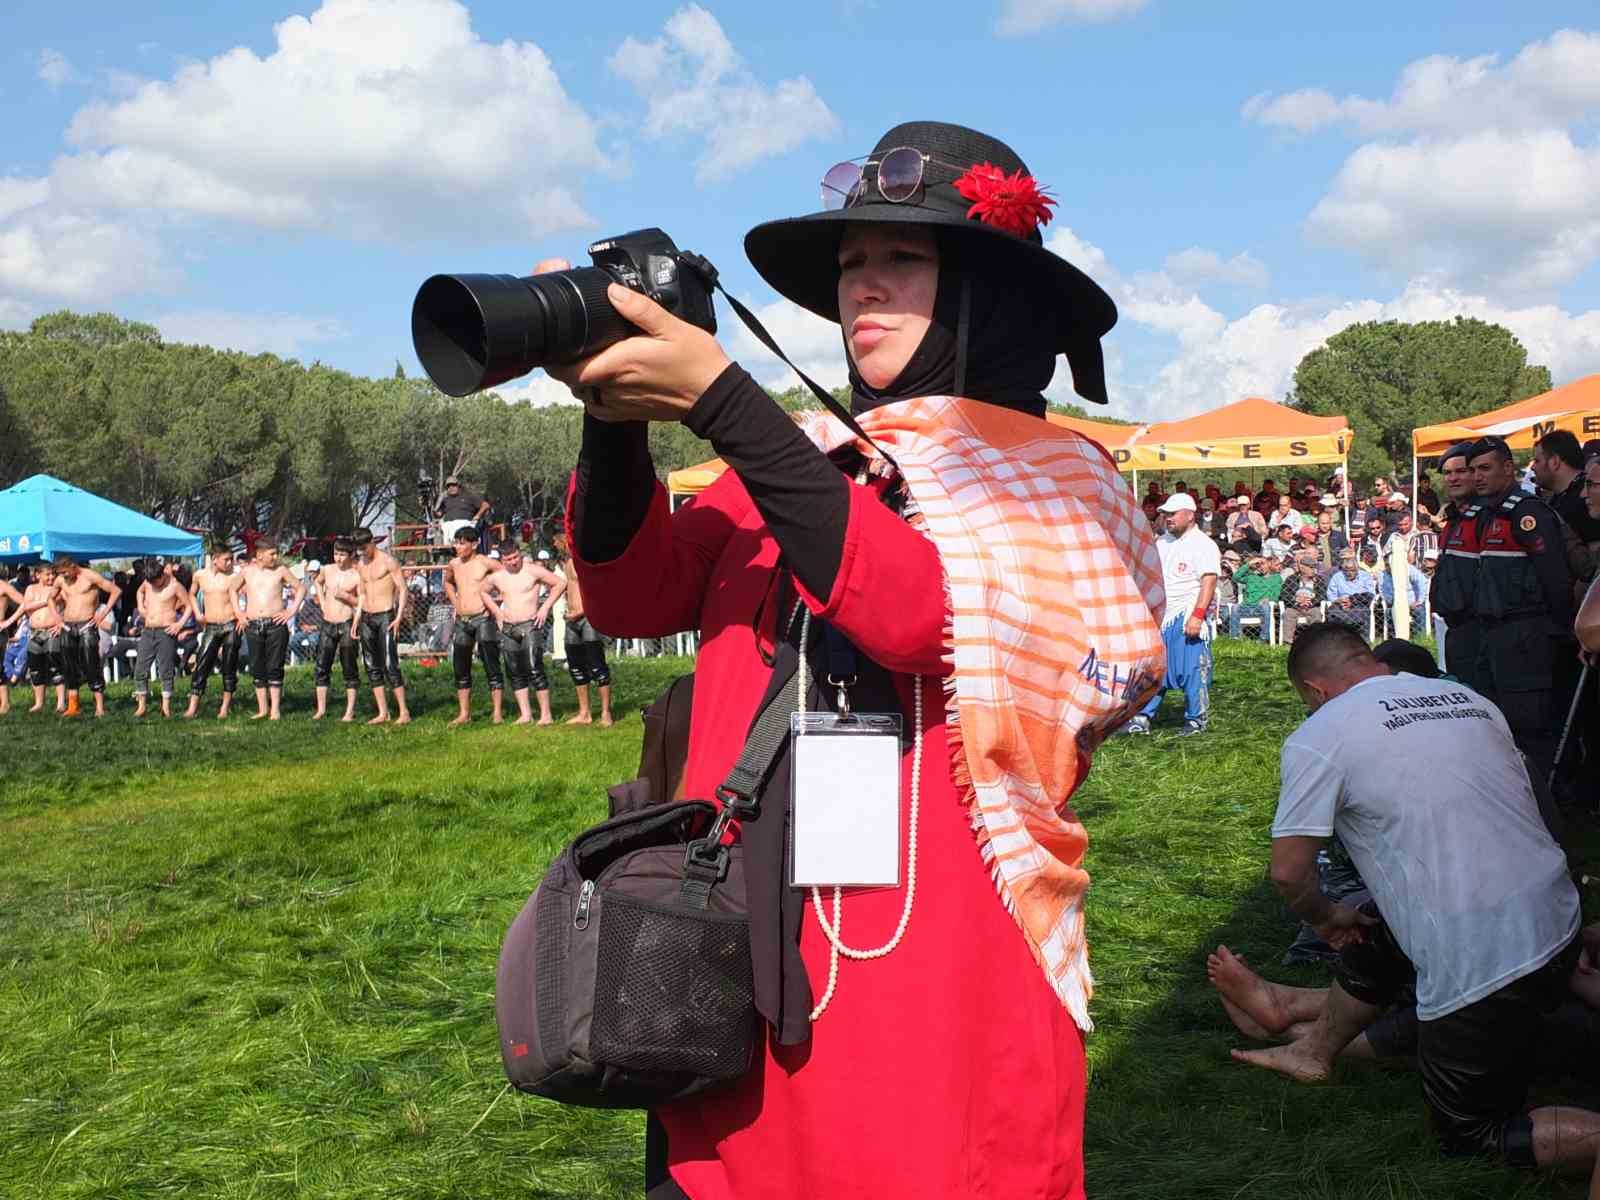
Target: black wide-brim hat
(798, 256)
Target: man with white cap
(1189, 566)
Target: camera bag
(626, 979)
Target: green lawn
(253, 961)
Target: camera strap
(702, 267)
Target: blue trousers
(1188, 668)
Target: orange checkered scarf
(1055, 596)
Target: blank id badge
(845, 820)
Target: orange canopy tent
(1248, 433)
(1574, 406)
(691, 481)
(1116, 439)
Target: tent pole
(1136, 483)
(1413, 489)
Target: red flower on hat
(1014, 203)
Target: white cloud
(1018, 17)
(1196, 266)
(1513, 211)
(695, 83)
(1477, 176)
(370, 119)
(18, 194)
(283, 334)
(537, 389)
(1550, 83)
(815, 345)
(77, 258)
(55, 70)
(1218, 361)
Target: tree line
(226, 442)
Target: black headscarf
(1006, 356)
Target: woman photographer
(987, 576)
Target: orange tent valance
(1248, 433)
(1574, 406)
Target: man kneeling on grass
(1472, 901)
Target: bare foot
(275, 717)
(347, 718)
(1291, 1059)
(260, 716)
(606, 722)
(580, 719)
(497, 719)
(1243, 990)
(222, 714)
(461, 720)
(545, 721)
(37, 707)
(380, 719)
(403, 719)
(1242, 1022)
(317, 716)
(523, 721)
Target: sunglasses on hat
(899, 176)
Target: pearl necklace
(836, 945)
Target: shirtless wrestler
(40, 605)
(475, 627)
(586, 649)
(81, 613)
(339, 595)
(383, 605)
(221, 627)
(511, 595)
(267, 620)
(10, 607)
(165, 604)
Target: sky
(1245, 179)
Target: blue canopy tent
(42, 518)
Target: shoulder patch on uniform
(1529, 523)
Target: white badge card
(845, 821)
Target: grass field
(252, 961)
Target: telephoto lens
(475, 331)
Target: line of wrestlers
(362, 597)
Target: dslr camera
(475, 331)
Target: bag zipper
(585, 893)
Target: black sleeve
(803, 497)
(1546, 544)
(615, 482)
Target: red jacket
(946, 1069)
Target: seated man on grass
(1473, 906)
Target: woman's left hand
(654, 376)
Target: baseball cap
(544, 556)
(313, 565)
(495, 554)
(1178, 502)
(1430, 552)
(449, 479)
(1330, 501)
(1308, 531)
(1396, 497)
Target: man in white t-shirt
(1189, 565)
(1472, 901)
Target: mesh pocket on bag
(672, 990)
(552, 919)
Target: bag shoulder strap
(705, 860)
